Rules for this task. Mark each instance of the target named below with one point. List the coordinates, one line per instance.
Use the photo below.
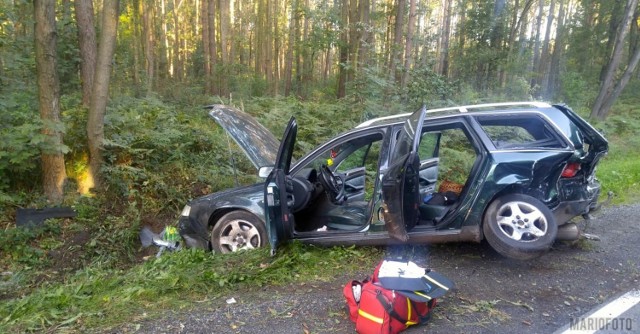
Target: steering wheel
(333, 185)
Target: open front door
(401, 182)
(278, 192)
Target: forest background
(108, 95)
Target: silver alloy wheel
(521, 221)
(239, 234)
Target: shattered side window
(519, 132)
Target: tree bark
(138, 41)
(408, 56)
(552, 83)
(444, 40)
(275, 50)
(225, 27)
(177, 39)
(543, 66)
(607, 84)
(354, 40)
(88, 47)
(397, 49)
(614, 23)
(165, 55)
(344, 51)
(306, 55)
(100, 94)
(617, 90)
(536, 46)
(213, 54)
(366, 37)
(634, 37)
(288, 67)
(53, 170)
(149, 44)
(267, 46)
(204, 19)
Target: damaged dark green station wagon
(515, 174)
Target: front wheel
(238, 230)
(519, 226)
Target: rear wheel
(519, 226)
(238, 230)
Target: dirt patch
(69, 256)
(492, 295)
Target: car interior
(335, 191)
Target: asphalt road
(493, 294)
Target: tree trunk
(366, 37)
(607, 84)
(344, 51)
(100, 94)
(204, 19)
(54, 173)
(461, 26)
(552, 84)
(614, 22)
(298, 48)
(444, 40)
(177, 61)
(536, 46)
(88, 47)
(408, 56)
(517, 25)
(275, 50)
(305, 56)
(634, 36)
(397, 47)
(354, 40)
(462, 5)
(543, 67)
(165, 55)
(288, 66)
(624, 80)
(267, 47)
(213, 54)
(149, 44)
(138, 41)
(225, 27)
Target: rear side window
(519, 132)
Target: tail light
(571, 169)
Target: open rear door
(278, 192)
(401, 182)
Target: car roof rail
(462, 109)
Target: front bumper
(193, 233)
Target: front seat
(348, 217)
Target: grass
(619, 171)
(100, 297)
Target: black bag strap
(388, 307)
(423, 318)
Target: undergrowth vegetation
(619, 172)
(104, 296)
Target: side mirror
(263, 172)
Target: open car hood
(258, 143)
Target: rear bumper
(576, 199)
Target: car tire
(519, 226)
(238, 230)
